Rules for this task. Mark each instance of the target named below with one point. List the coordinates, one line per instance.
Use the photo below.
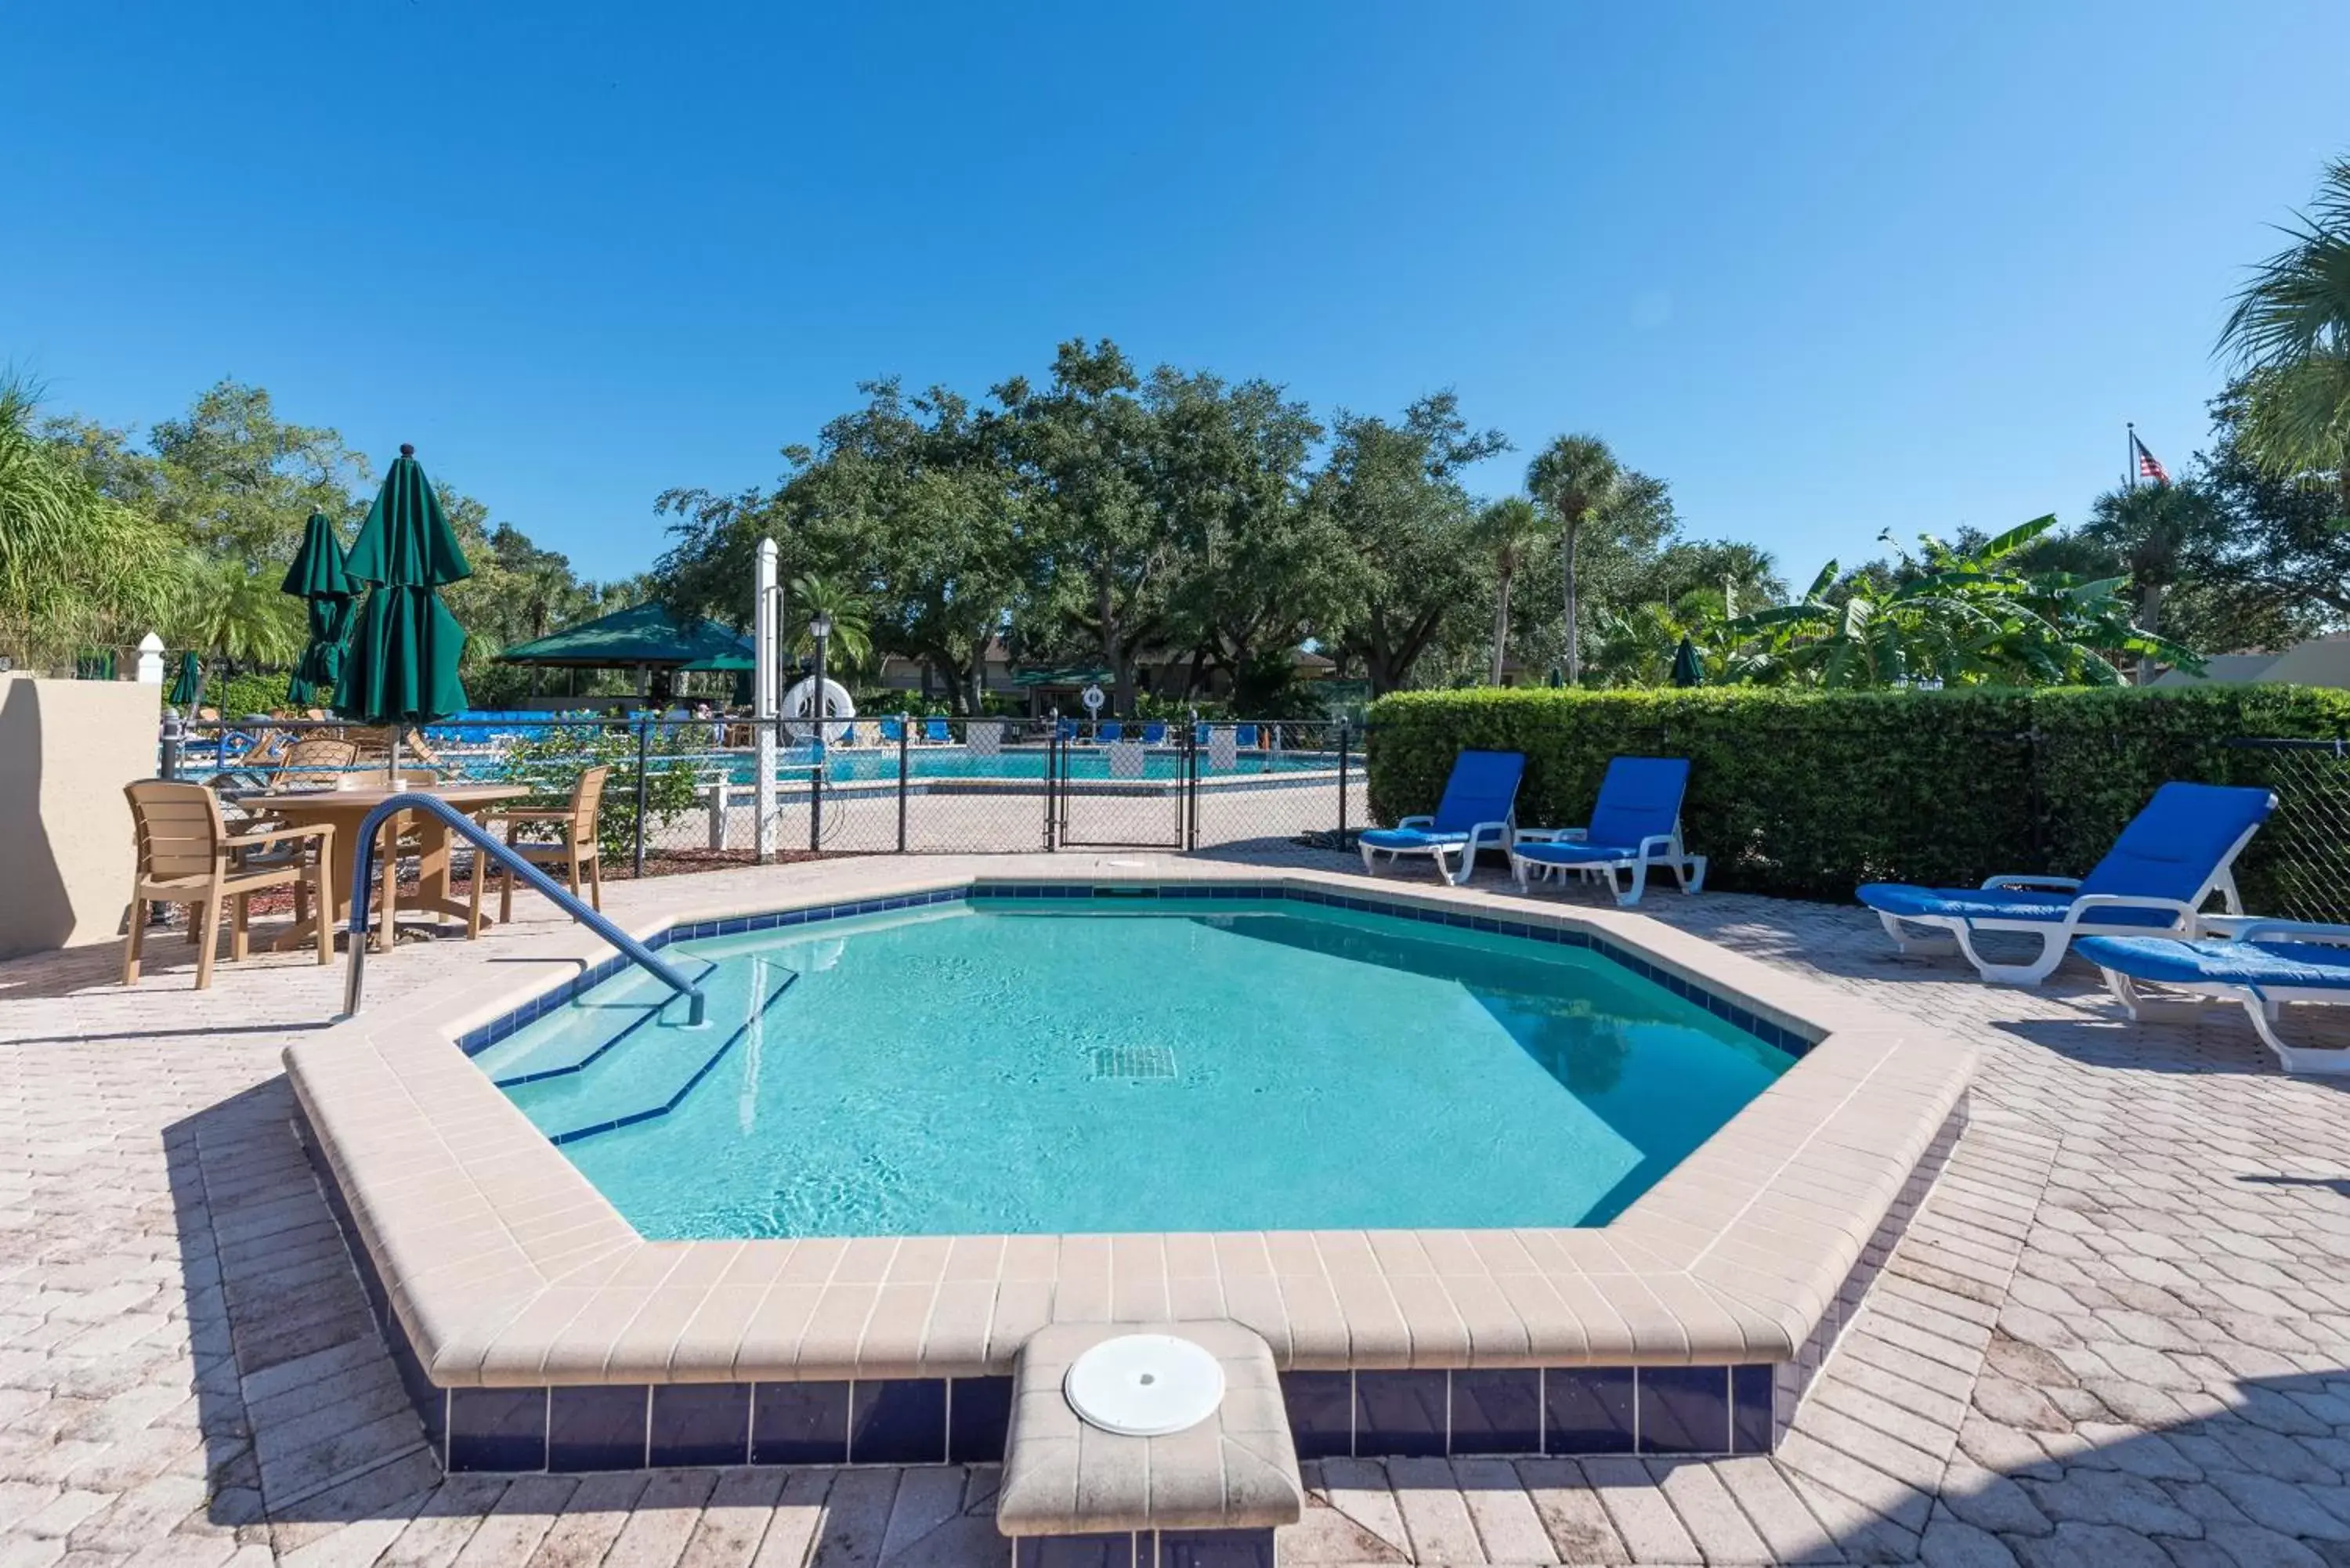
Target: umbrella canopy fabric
(319, 579)
(319, 570)
(401, 667)
(188, 687)
(644, 634)
(1689, 670)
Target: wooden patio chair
(574, 848)
(316, 761)
(186, 855)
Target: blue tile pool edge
(1660, 1410)
(1792, 1042)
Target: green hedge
(1808, 794)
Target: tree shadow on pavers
(302, 1410)
(2265, 1480)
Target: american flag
(2148, 465)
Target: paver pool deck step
(1212, 1494)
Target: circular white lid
(1144, 1385)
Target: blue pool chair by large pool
(1154, 734)
(893, 730)
(1636, 824)
(1481, 799)
(2263, 966)
(936, 730)
(2165, 865)
(1111, 730)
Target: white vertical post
(763, 683)
(151, 661)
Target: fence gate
(1122, 794)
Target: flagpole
(2129, 469)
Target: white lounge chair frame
(2261, 1004)
(1955, 933)
(1658, 849)
(1497, 834)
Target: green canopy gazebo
(644, 638)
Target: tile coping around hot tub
(507, 1268)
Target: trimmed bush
(1809, 793)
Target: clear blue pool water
(981, 1067)
(880, 765)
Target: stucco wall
(67, 748)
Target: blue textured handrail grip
(479, 837)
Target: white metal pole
(763, 682)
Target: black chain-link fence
(2305, 845)
(682, 793)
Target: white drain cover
(1144, 1385)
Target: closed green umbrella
(1689, 670)
(401, 665)
(319, 579)
(188, 687)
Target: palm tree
(1575, 478)
(852, 635)
(1510, 528)
(2290, 335)
(74, 564)
(232, 613)
(2158, 533)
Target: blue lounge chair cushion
(1640, 798)
(2171, 849)
(1997, 904)
(1575, 852)
(1413, 838)
(1483, 788)
(2165, 961)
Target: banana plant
(1951, 618)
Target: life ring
(799, 702)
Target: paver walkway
(2118, 1334)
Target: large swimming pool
(844, 767)
(984, 1065)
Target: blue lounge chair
(2156, 879)
(893, 729)
(1636, 824)
(1479, 800)
(1113, 730)
(2265, 965)
(1154, 734)
(936, 730)
(1067, 729)
(1244, 737)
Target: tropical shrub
(1808, 794)
(549, 760)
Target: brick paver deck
(2115, 1336)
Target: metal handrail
(484, 843)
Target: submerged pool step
(639, 1074)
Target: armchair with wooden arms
(186, 855)
(574, 847)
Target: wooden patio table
(347, 808)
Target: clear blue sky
(1826, 268)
